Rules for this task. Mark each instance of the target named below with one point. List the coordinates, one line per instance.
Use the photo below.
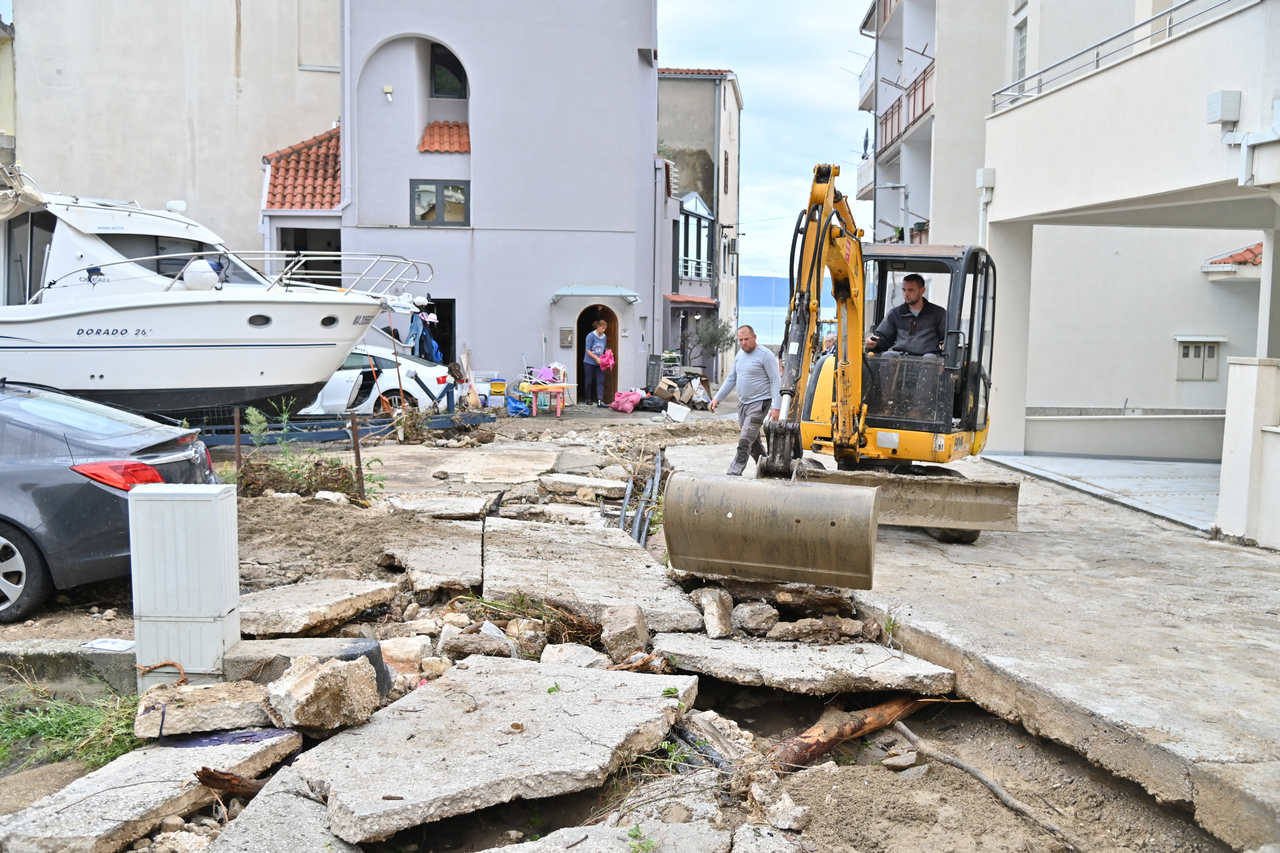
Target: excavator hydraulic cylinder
(772, 530)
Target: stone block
(309, 608)
(754, 617)
(405, 654)
(324, 696)
(263, 661)
(716, 606)
(624, 631)
(173, 710)
(488, 734)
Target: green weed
(95, 733)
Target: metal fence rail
(1176, 20)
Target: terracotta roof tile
(450, 137)
(690, 299)
(709, 72)
(306, 176)
(1251, 255)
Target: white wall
(562, 116)
(151, 100)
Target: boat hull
(177, 351)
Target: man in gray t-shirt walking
(755, 373)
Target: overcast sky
(800, 108)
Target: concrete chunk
(574, 654)
(624, 631)
(324, 696)
(127, 799)
(263, 661)
(490, 733)
(753, 838)
(309, 608)
(285, 817)
(584, 570)
(569, 484)
(166, 709)
(754, 617)
(807, 669)
(666, 838)
(446, 557)
(454, 507)
(716, 606)
(405, 654)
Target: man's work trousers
(750, 419)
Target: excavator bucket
(776, 530)
(951, 503)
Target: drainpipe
(1247, 141)
(986, 183)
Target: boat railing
(386, 277)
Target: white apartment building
(1105, 313)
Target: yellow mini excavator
(879, 416)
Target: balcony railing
(1174, 21)
(866, 81)
(887, 8)
(908, 109)
(694, 268)
(866, 178)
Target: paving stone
(309, 608)
(264, 661)
(487, 734)
(323, 696)
(667, 838)
(574, 654)
(804, 669)
(113, 806)
(285, 817)
(754, 617)
(446, 506)
(624, 631)
(716, 606)
(569, 484)
(405, 654)
(583, 569)
(169, 710)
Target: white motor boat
(148, 309)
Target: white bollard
(186, 579)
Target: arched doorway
(586, 321)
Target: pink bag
(607, 360)
(625, 401)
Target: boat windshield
(169, 256)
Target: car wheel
(24, 578)
(387, 403)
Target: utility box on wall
(1198, 357)
(186, 578)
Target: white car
(373, 379)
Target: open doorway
(315, 240)
(586, 321)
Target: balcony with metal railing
(909, 108)
(866, 85)
(1177, 20)
(695, 268)
(866, 179)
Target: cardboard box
(686, 393)
(663, 393)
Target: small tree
(708, 339)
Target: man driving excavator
(916, 327)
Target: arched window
(448, 79)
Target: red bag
(607, 360)
(625, 401)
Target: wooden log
(232, 783)
(836, 726)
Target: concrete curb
(64, 666)
(1219, 794)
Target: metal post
(239, 456)
(355, 445)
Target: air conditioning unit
(733, 245)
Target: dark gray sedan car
(66, 468)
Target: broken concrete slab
(570, 484)
(458, 646)
(754, 617)
(405, 654)
(167, 709)
(762, 838)
(309, 608)
(806, 669)
(446, 557)
(263, 661)
(580, 462)
(583, 569)
(319, 696)
(623, 631)
(489, 731)
(665, 837)
(127, 799)
(66, 666)
(285, 817)
(716, 606)
(691, 797)
(574, 654)
(447, 506)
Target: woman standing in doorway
(596, 345)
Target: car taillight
(119, 475)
